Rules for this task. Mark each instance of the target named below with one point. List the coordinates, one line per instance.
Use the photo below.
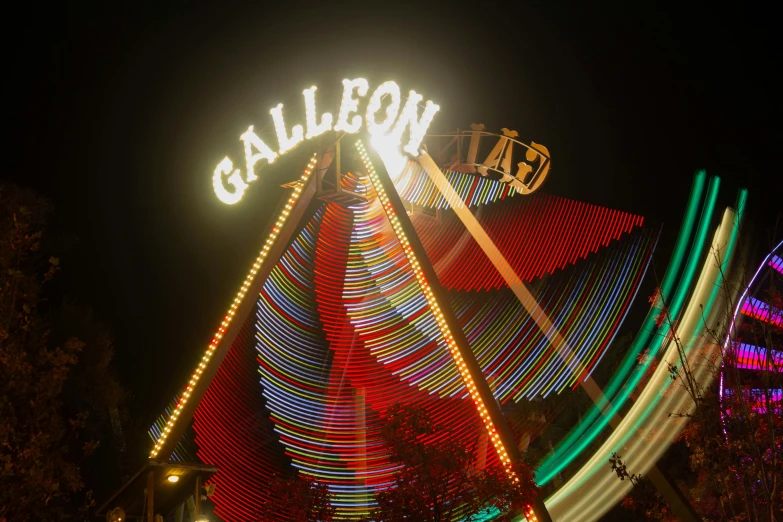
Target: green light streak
(594, 489)
(580, 437)
(708, 306)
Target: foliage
(736, 453)
(644, 502)
(42, 428)
(438, 479)
(297, 499)
(733, 441)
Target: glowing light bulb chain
(216, 339)
(441, 321)
(494, 435)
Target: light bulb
(314, 128)
(235, 180)
(350, 105)
(250, 139)
(297, 132)
(374, 105)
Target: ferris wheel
(757, 329)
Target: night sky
(120, 114)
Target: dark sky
(120, 114)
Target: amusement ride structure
(444, 278)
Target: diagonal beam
(274, 247)
(670, 492)
(488, 407)
(508, 274)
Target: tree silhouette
(438, 479)
(44, 412)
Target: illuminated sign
(386, 128)
(451, 153)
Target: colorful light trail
(750, 357)
(762, 311)
(345, 324)
(630, 372)
(777, 263)
(592, 491)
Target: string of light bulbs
(215, 342)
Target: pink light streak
(776, 263)
(760, 310)
(750, 357)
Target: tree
(644, 502)
(437, 480)
(732, 439)
(297, 499)
(42, 424)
